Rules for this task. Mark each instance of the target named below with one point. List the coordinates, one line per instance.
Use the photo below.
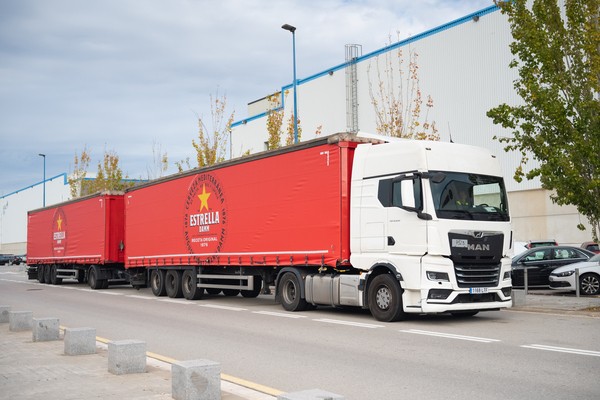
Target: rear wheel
(47, 270)
(189, 286)
(93, 281)
(213, 291)
(40, 271)
(291, 299)
(157, 282)
(385, 298)
(589, 284)
(231, 292)
(173, 283)
(256, 288)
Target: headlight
(566, 273)
(438, 276)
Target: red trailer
(77, 238)
(234, 224)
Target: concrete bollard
(20, 320)
(4, 310)
(80, 341)
(45, 329)
(518, 298)
(127, 357)
(196, 380)
(312, 394)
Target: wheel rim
(170, 281)
(289, 292)
(590, 284)
(155, 281)
(187, 283)
(383, 298)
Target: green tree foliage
(212, 143)
(557, 54)
(275, 123)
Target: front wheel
(291, 299)
(157, 282)
(589, 284)
(173, 284)
(54, 279)
(385, 298)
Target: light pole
(292, 29)
(44, 201)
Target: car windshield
(595, 258)
(470, 196)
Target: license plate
(478, 290)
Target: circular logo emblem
(205, 218)
(59, 233)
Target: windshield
(595, 258)
(469, 196)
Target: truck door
(406, 231)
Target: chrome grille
(477, 275)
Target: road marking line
(89, 290)
(223, 307)
(140, 297)
(278, 314)
(451, 336)
(176, 301)
(563, 350)
(359, 324)
(113, 293)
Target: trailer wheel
(53, 275)
(93, 281)
(189, 286)
(290, 293)
(157, 282)
(256, 289)
(213, 291)
(40, 271)
(47, 271)
(231, 292)
(385, 298)
(173, 284)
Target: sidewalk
(41, 370)
(559, 302)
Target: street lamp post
(292, 29)
(44, 201)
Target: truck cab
(434, 216)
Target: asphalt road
(502, 354)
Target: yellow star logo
(59, 223)
(204, 198)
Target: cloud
(119, 74)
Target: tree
(108, 177)
(160, 162)
(275, 123)
(398, 109)
(211, 145)
(559, 82)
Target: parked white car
(563, 278)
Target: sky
(131, 76)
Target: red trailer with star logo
(66, 240)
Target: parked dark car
(6, 258)
(19, 259)
(541, 261)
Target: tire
(256, 290)
(41, 271)
(81, 276)
(173, 284)
(464, 314)
(53, 275)
(290, 293)
(47, 270)
(189, 285)
(231, 292)
(104, 283)
(157, 282)
(385, 298)
(589, 284)
(213, 291)
(93, 281)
